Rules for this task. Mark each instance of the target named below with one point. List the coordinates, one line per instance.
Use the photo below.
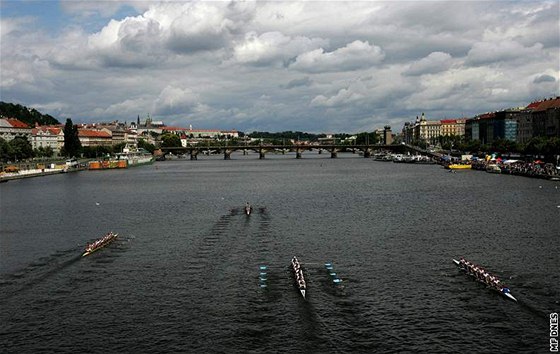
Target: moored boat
(482, 276)
(458, 166)
(98, 244)
(493, 168)
(135, 157)
(298, 274)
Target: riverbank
(8, 176)
(535, 169)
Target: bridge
(262, 150)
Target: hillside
(27, 115)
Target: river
(183, 274)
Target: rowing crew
(298, 273)
(482, 275)
(94, 245)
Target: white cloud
(433, 63)
(505, 50)
(355, 55)
(175, 100)
(272, 48)
(281, 65)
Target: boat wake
(37, 272)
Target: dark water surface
(183, 274)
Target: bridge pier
(298, 154)
(367, 153)
(194, 154)
(227, 154)
(334, 154)
(261, 154)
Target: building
(11, 128)
(451, 127)
(546, 118)
(328, 139)
(210, 133)
(524, 126)
(489, 127)
(427, 130)
(408, 133)
(387, 135)
(91, 137)
(48, 136)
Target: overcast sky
(273, 66)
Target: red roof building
(11, 128)
(91, 137)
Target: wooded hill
(27, 115)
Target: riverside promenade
(535, 169)
(27, 170)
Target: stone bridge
(299, 149)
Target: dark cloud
(305, 81)
(544, 78)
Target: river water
(183, 274)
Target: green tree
(29, 116)
(21, 148)
(48, 152)
(6, 151)
(170, 140)
(118, 147)
(366, 138)
(72, 145)
(143, 144)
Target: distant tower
(387, 135)
(138, 121)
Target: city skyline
(308, 66)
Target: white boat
(135, 157)
(248, 209)
(298, 276)
(493, 168)
(499, 288)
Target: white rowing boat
(504, 290)
(298, 275)
(248, 209)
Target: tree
(29, 116)
(119, 147)
(170, 140)
(21, 148)
(142, 144)
(72, 145)
(6, 151)
(366, 138)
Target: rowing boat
(248, 209)
(298, 275)
(102, 242)
(494, 285)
